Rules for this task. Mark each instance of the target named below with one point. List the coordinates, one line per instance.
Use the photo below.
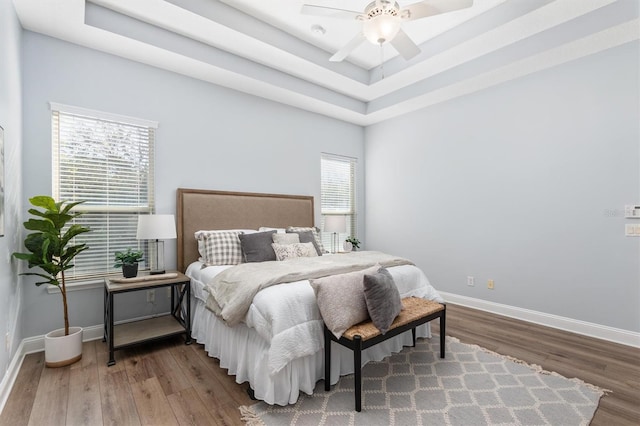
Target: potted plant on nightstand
(128, 261)
(351, 243)
(50, 249)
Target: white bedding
(278, 347)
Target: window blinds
(338, 192)
(107, 161)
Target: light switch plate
(632, 212)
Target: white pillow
(267, 228)
(291, 251)
(285, 238)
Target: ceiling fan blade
(344, 52)
(433, 7)
(404, 45)
(310, 9)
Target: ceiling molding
(539, 38)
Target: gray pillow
(257, 247)
(308, 237)
(383, 299)
(315, 230)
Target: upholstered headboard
(199, 209)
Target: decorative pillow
(314, 230)
(290, 251)
(268, 228)
(285, 238)
(383, 299)
(219, 247)
(341, 299)
(257, 247)
(307, 237)
(201, 248)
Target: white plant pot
(347, 246)
(61, 350)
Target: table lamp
(156, 227)
(336, 224)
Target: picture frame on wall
(1, 182)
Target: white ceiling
(267, 48)
(285, 15)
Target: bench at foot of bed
(361, 336)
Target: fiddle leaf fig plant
(50, 244)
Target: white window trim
(54, 106)
(354, 207)
(91, 283)
(83, 284)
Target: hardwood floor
(170, 383)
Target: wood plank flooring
(170, 383)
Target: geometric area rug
(471, 386)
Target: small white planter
(61, 350)
(347, 246)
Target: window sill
(87, 284)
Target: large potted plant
(50, 249)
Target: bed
(277, 345)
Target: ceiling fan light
(381, 29)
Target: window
(338, 193)
(106, 160)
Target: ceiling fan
(381, 21)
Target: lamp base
(157, 272)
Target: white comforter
(287, 316)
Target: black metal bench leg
(327, 359)
(357, 371)
(443, 328)
(413, 336)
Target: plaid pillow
(315, 232)
(219, 247)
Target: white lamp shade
(156, 227)
(335, 223)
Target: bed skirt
(244, 354)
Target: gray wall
(525, 184)
(11, 121)
(209, 137)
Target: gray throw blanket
(232, 290)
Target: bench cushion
(414, 308)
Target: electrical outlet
(151, 296)
(470, 281)
(490, 284)
(632, 230)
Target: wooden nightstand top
(148, 281)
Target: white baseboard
(10, 377)
(598, 331)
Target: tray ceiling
(269, 49)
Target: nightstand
(132, 333)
